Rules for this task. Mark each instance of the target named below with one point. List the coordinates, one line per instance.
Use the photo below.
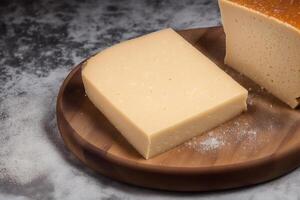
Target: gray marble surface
(40, 42)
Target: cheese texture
(263, 42)
(159, 91)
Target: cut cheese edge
(159, 91)
(264, 48)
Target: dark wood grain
(243, 159)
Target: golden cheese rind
(263, 48)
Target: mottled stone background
(40, 42)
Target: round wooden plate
(259, 145)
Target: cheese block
(263, 42)
(159, 91)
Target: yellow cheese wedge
(159, 91)
(263, 42)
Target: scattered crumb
(209, 144)
(250, 99)
(252, 134)
(238, 131)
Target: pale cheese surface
(159, 81)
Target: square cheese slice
(263, 42)
(159, 91)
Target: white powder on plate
(211, 143)
(238, 131)
(208, 144)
